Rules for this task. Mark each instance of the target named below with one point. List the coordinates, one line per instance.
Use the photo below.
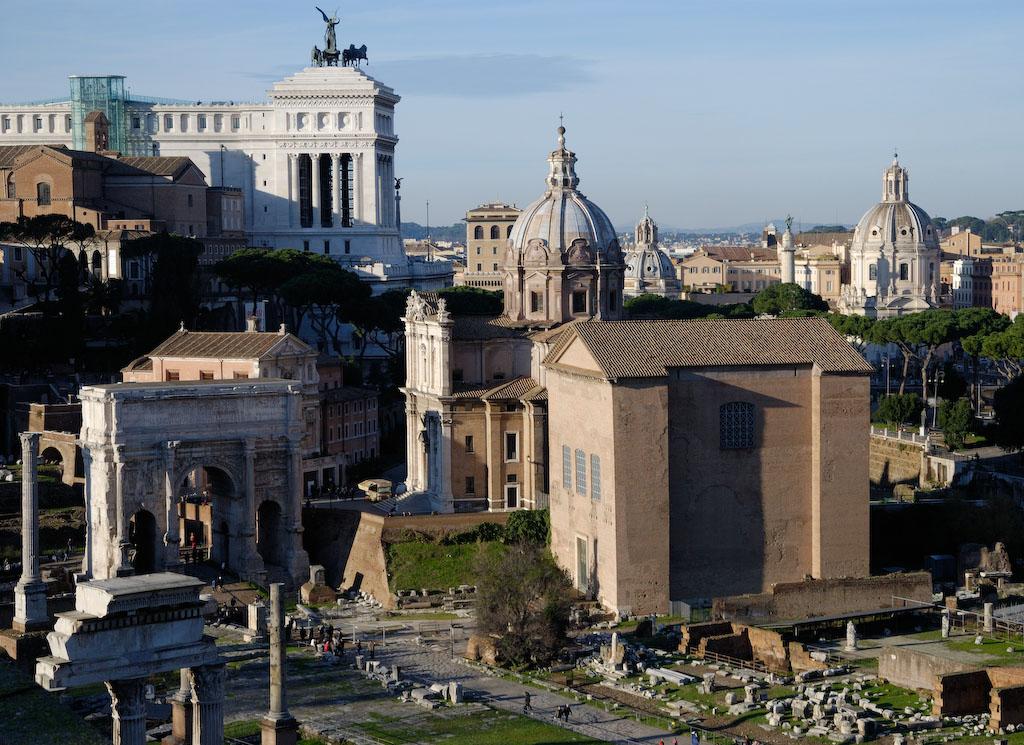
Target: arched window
(508, 233)
(43, 194)
(478, 233)
(904, 272)
(873, 271)
(495, 232)
(736, 425)
(12, 193)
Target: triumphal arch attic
(149, 448)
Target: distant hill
(414, 230)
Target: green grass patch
(415, 565)
(31, 716)
(245, 728)
(472, 728)
(893, 697)
(990, 651)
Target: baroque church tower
(563, 260)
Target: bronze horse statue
(352, 55)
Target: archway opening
(269, 526)
(51, 462)
(206, 510)
(142, 535)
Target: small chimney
(251, 323)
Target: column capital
(248, 447)
(30, 439)
(207, 683)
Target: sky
(715, 113)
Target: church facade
(895, 256)
(681, 460)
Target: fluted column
(207, 704)
(250, 562)
(357, 181)
(128, 709)
(30, 592)
(314, 187)
(172, 539)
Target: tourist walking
(568, 711)
(526, 703)
(694, 738)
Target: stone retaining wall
(893, 462)
(823, 597)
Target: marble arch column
(172, 540)
(336, 190)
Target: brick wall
(1007, 707)
(732, 645)
(693, 633)
(961, 693)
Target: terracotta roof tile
(631, 349)
(513, 390)
(235, 345)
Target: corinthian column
(128, 708)
(293, 190)
(30, 592)
(172, 541)
(207, 704)
(314, 187)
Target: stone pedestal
(128, 709)
(181, 714)
(279, 731)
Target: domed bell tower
(563, 260)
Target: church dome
(895, 221)
(563, 215)
(649, 264)
(645, 261)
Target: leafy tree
(917, 336)
(828, 229)
(955, 419)
(528, 525)
(1008, 403)
(1004, 347)
(899, 409)
(952, 384)
(174, 283)
(776, 299)
(326, 293)
(103, 297)
(48, 238)
(857, 329)
(523, 600)
(466, 300)
(976, 224)
(379, 321)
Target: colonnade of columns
(197, 708)
(343, 203)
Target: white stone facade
(894, 257)
(316, 163)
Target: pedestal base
(279, 731)
(30, 607)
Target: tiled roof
(469, 390)
(485, 327)
(10, 153)
(738, 253)
(170, 166)
(513, 390)
(234, 345)
(632, 349)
